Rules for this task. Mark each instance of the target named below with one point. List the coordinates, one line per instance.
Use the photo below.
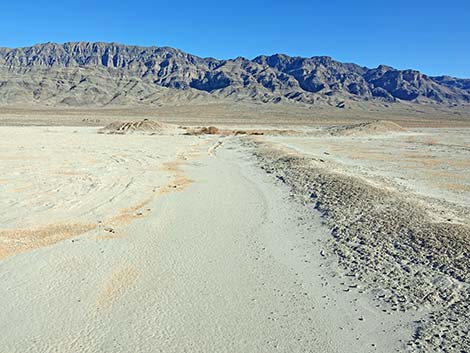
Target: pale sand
(227, 262)
(59, 182)
(428, 162)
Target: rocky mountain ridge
(85, 73)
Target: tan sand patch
(179, 181)
(14, 241)
(117, 285)
(422, 160)
(426, 160)
(459, 163)
(128, 214)
(455, 187)
(444, 174)
(366, 155)
(411, 139)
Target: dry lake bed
(167, 239)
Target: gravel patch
(390, 244)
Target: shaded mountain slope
(83, 73)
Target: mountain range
(107, 74)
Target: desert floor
(174, 243)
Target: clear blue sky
(432, 36)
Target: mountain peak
(113, 73)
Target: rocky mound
(126, 127)
(377, 127)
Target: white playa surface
(166, 243)
(428, 162)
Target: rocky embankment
(391, 245)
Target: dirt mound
(212, 130)
(206, 130)
(376, 127)
(125, 127)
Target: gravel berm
(392, 245)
